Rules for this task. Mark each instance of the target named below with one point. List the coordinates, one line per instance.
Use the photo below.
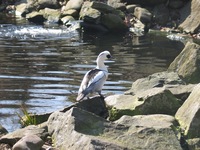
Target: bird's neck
(101, 65)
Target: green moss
(115, 114)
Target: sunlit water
(42, 68)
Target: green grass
(27, 118)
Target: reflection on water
(45, 73)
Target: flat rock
(160, 79)
(152, 101)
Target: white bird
(94, 79)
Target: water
(42, 68)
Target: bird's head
(104, 55)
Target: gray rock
(131, 8)
(188, 115)
(74, 4)
(190, 17)
(152, 101)
(145, 2)
(29, 142)
(89, 14)
(143, 15)
(175, 4)
(48, 4)
(161, 14)
(194, 144)
(117, 4)
(20, 9)
(67, 19)
(160, 79)
(79, 129)
(95, 105)
(13, 137)
(186, 64)
(70, 12)
(113, 22)
(51, 15)
(3, 130)
(36, 17)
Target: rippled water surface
(43, 67)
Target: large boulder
(188, 115)
(152, 101)
(160, 79)
(77, 129)
(186, 64)
(190, 18)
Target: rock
(20, 9)
(181, 91)
(88, 14)
(188, 115)
(113, 22)
(3, 131)
(51, 15)
(67, 19)
(5, 146)
(78, 128)
(48, 4)
(145, 2)
(131, 8)
(160, 79)
(194, 144)
(190, 17)
(71, 12)
(186, 64)
(152, 101)
(117, 4)
(36, 17)
(13, 137)
(29, 142)
(161, 14)
(175, 4)
(94, 105)
(143, 15)
(74, 4)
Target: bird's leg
(100, 94)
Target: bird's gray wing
(87, 80)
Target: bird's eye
(108, 56)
